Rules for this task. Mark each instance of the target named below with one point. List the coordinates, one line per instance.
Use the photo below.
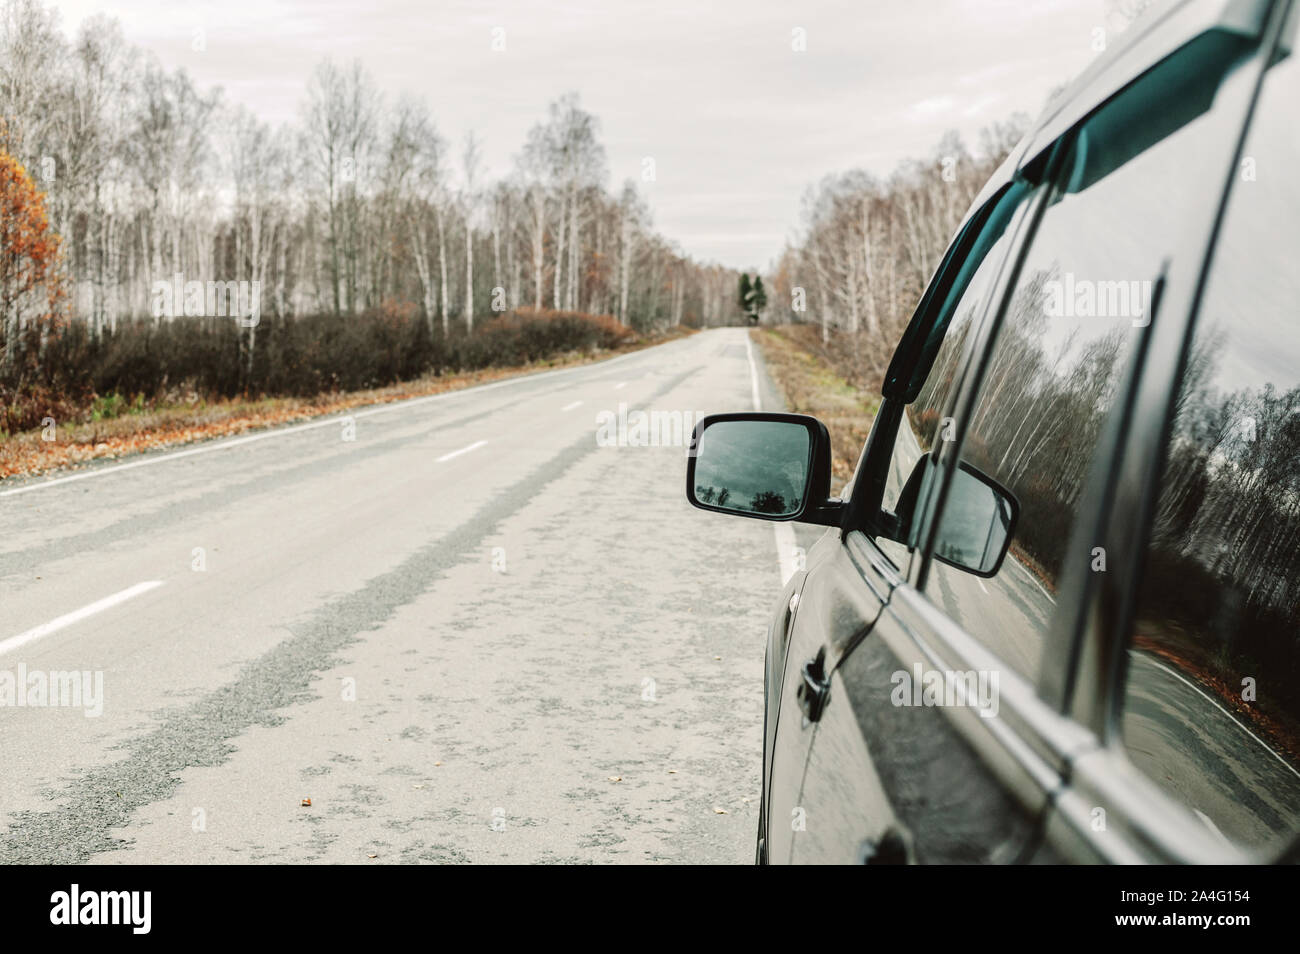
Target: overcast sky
(738, 123)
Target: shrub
(72, 375)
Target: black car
(1056, 614)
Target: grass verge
(811, 386)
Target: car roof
(1158, 32)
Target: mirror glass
(978, 518)
(753, 467)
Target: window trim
(966, 394)
(866, 494)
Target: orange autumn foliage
(31, 281)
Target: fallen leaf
(616, 778)
(306, 803)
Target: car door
(945, 737)
(832, 605)
(847, 584)
(850, 812)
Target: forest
(359, 223)
(866, 246)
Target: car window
(923, 421)
(1211, 710)
(1080, 302)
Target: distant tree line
(866, 248)
(359, 206)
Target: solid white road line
(331, 420)
(785, 551)
(570, 407)
(753, 374)
(1232, 718)
(1210, 825)
(464, 450)
(1034, 580)
(76, 616)
(782, 532)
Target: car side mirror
(978, 521)
(766, 466)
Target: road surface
(459, 626)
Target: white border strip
(781, 530)
(1147, 658)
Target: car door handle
(814, 688)
(891, 848)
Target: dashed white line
(620, 386)
(464, 450)
(570, 407)
(76, 616)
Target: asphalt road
(469, 633)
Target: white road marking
(1034, 580)
(76, 616)
(570, 407)
(464, 450)
(753, 374)
(1197, 689)
(620, 386)
(1210, 825)
(782, 531)
(785, 550)
(331, 420)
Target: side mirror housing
(766, 466)
(978, 521)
